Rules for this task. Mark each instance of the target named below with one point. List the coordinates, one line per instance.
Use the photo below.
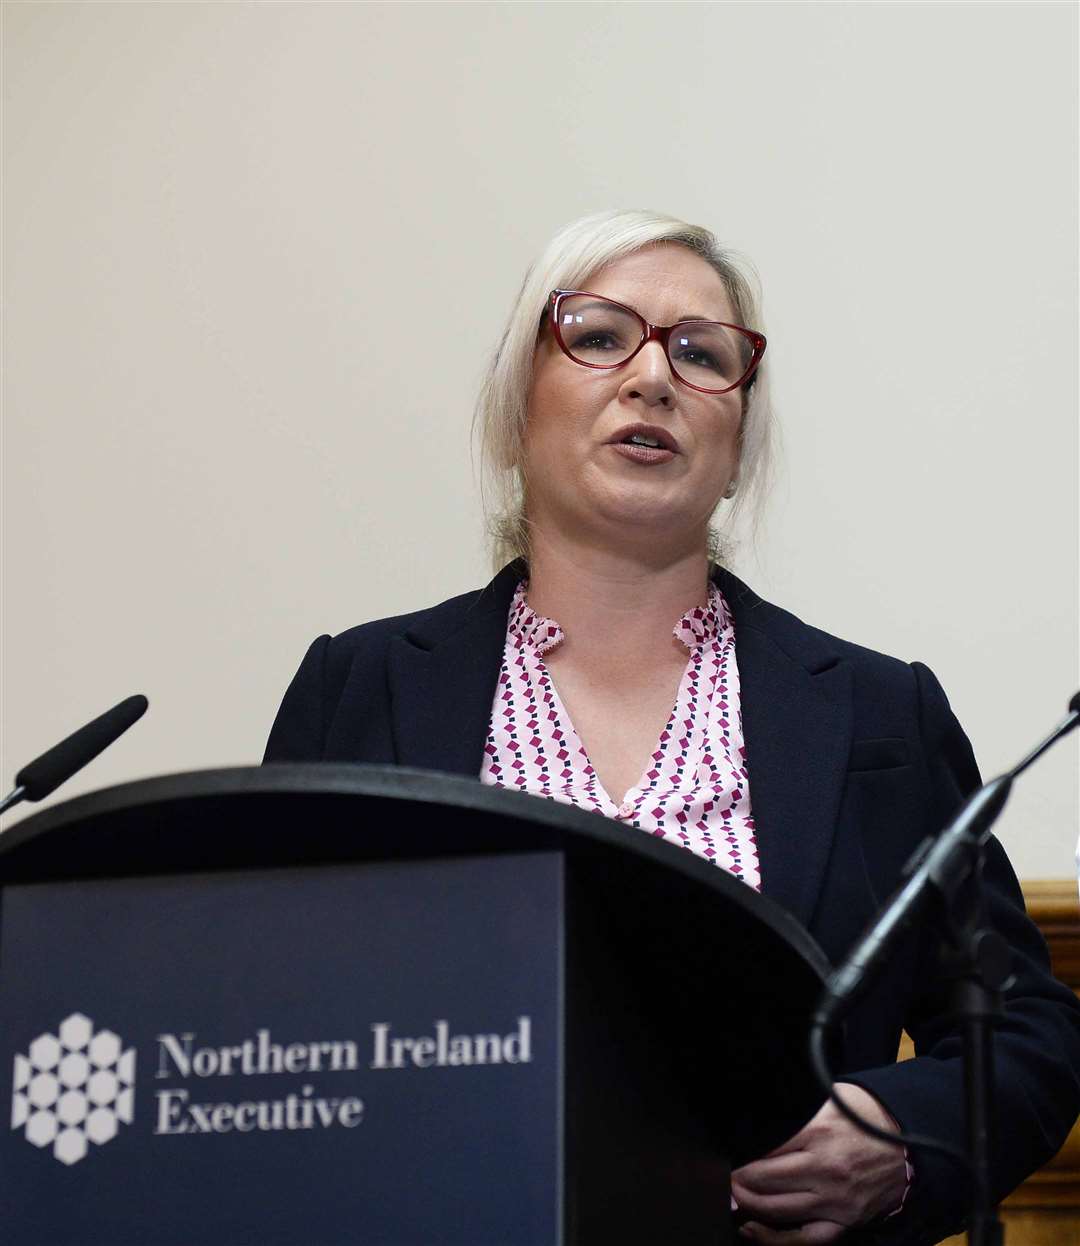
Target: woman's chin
(636, 522)
(612, 513)
(645, 508)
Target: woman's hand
(825, 1179)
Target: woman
(627, 402)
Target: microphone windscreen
(49, 770)
(1074, 704)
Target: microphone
(58, 764)
(937, 865)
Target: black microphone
(939, 865)
(47, 772)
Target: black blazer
(853, 757)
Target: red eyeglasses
(707, 355)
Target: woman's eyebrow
(679, 320)
(568, 316)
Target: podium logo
(73, 1088)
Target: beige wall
(222, 221)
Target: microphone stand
(980, 964)
(977, 960)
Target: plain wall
(226, 226)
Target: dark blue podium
(340, 1004)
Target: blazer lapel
(795, 694)
(443, 672)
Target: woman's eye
(701, 357)
(594, 339)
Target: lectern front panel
(357, 1053)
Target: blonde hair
(573, 254)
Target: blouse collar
(698, 626)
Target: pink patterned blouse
(693, 790)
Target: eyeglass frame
(658, 333)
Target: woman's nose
(650, 375)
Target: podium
(330, 1004)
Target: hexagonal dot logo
(73, 1088)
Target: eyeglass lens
(702, 353)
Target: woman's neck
(620, 603)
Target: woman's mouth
(640, 452)
(645, 443)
